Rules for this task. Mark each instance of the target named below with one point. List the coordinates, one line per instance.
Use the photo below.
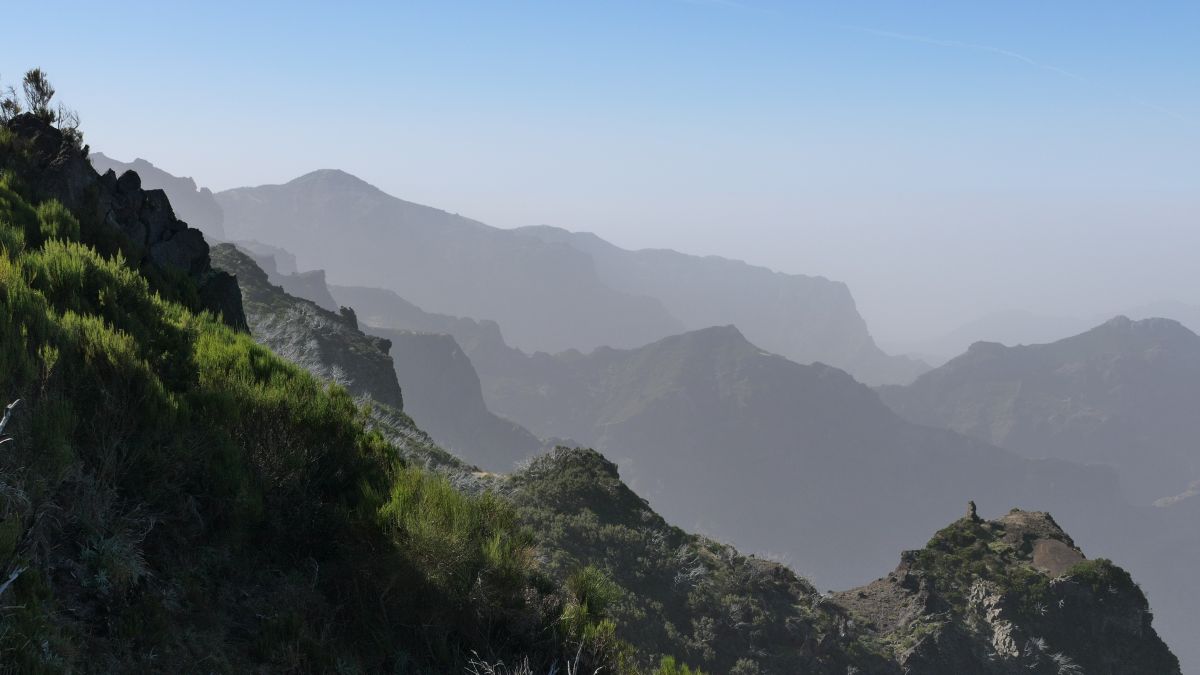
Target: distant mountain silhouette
(546, 296)
(1122, 394)
(445, 397)
(801, 317)
(551, 290)
(749, 446)
(1018, 327)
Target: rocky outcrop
(195, 205)
(327, 344)
(118, 214)
(1006, 596)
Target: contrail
(957, 44)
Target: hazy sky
(945, 160)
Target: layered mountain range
(723, 436)
(550, 290)
(1122, 394)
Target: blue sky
(946, 159)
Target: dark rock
(58, 169)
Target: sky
(945, 159)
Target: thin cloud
(1016, 56)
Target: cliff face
(445, 398)
(327, 344)
(138, 223)
(1006, 596)
(441, 388)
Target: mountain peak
(332, 178)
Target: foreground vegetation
(178, 495)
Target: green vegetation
(176, 494)
(675, 595)
(967, 552)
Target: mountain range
(1121, 394)
(550, 290)
(719, 434)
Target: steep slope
(1122, 394)
(328, 345)
(445, 396)
(803, 318)
(194, 205)
(448, 401)
(172, 494)
(547, 296)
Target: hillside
(1012, 595)
(175, 494)
(445, 397)
(1121, 394)
(801, 317)
(326, 344)
(547, 297)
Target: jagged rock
(153, 237)
(197, 206)
(985, 604)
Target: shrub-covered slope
(179, 497)
(326, 344)
(1001, 597)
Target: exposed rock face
(195, 205)
(151, 236)
(442, 391)
(976, 600)
(327, 344)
